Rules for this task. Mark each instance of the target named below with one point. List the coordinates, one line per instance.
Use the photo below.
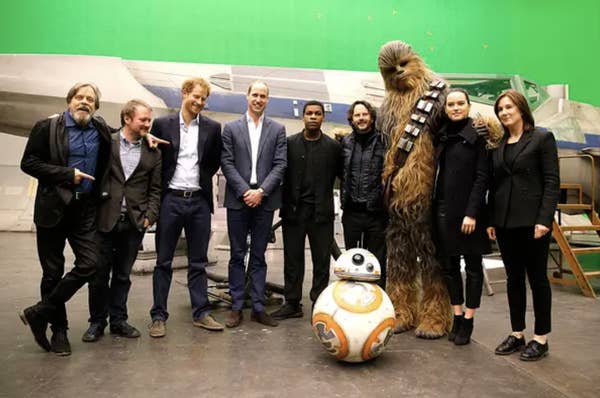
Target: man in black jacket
(307, 208)
(365, 217)
(67, 154)
(134, 186)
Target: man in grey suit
(253, 160)
(133, 185)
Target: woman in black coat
(459, 199)
(523, 196)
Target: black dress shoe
(509, 345)
(263, 318)
(38, 324)
(60, 343)
(93, 333)
(534, 351)
(124, 329)
(288, 311)
(234, 318)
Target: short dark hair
(73, 91)
(130, 107)
(313, 102)
(521, 103)
(369, 107)
(459, 90)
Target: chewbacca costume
(411, 114)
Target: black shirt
(509, 154)
(307, 188)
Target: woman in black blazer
(459, 200)
(523, 196)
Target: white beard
(82, 119)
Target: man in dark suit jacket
(314, 161)
(188, 165)
(133, 185)
(253, 161)
(67, 154)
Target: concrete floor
(255, 361)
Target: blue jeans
(192, 215)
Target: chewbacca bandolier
(411, 114)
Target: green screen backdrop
(546, 41)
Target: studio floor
(258, 361)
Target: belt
(81, 195)
(184, 194)
(253, 186)
(123, 217)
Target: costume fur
(415, 282)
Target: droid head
(358, 265)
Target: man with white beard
(69, 155)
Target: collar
(463, 128)
(249, 119)
(469, 133)
(182, 122)
(125, 141)
(318, 139)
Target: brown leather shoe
(264, 318)
(208, 322)
(234, 318)
(158, 328)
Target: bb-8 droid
(353, 318)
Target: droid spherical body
(354, 318)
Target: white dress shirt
(187, 172)
(255, 132)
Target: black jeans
(78, 227)
(522, 255)
(118, 252)
(320, 237)
(474, 279)
(258, 222)
(369, 229)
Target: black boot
(464, 333)
(455, 327)
(60, 343)
(38, 323)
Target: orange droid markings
(374, 346)
(330, 335)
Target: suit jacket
(141, 190)
(236, 162)
(209, 150)
(527, 193)
(46, 158)
(329, 158)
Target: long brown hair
(521, 103)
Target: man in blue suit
(188, 165)
(253, 160)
